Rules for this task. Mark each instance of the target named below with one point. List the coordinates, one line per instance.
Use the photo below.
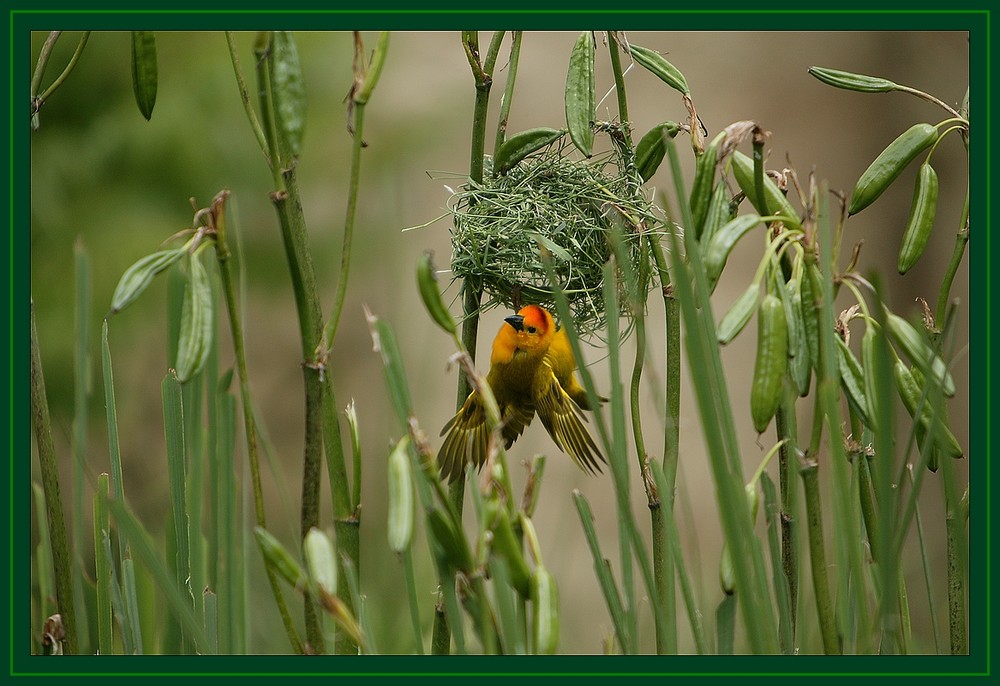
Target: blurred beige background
(121, 184)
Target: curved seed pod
(771, 363)
(701, 187)
(727, 575)
(144, 73)
(580, 96)
(868, 371)
(137, 277)
(288, 85)
(799, 364)
(911, 392)
(279, 559)
(852, 378)
(810, 318)
(921, 219)
(195, 338)
(890, 164)
(400, 503)
(717, 215)
(777, 203)
(852, 82)
(652, 147)
(919, 352)
(722, 244)
(321, 560)
(655, 63)
(545, 616)
(429, 293)
(738, 315)
(520, 145)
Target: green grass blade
(603, 570)
(173, 426)
(781, 592)
(176, 596)
(131, 601)
(725, 625)
(102, 565)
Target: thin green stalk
(472, 293)
(961, 240)
(102, 568)
(82, 380)
(928, 582)
(508, 91)
(664, 561)
(616, 68)
(958, 556)
(245, 98)
(61, 561)
(411, 596)
(223, 256)
(817, 558)
(36, 81)
(785, 424)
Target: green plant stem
(245, 98)
(508, 91)
(616, 68)
(817, 558)
(958, 555)
(223, 257)
(330, 332)
(961, 240)
(36, 80)
(784, 422)
(61, 562)
(472, 293)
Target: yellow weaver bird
(531, 372)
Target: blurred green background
(103, 175)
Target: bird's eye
(531, 329)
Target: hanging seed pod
(701, 187)
(195, 338)
(580, 98)
(652, 147)
(919, 352)
(321, 560)
(722, 244)
(137, 277)
(717, 215)
(520, 145)
(890, 164)
(655, 63)
(399, 515)
(771, 363)
(921, 219)
(545, 611)
(429, 293)
(144, 72)
(852, 378)
(799, 364)
(852, 82)
(810, 317)
(738, 315)
(911, 392)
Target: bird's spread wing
(564, 419)
(467, 439)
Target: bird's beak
(515, 320)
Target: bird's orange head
(529, 331)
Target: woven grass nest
(570, 210)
